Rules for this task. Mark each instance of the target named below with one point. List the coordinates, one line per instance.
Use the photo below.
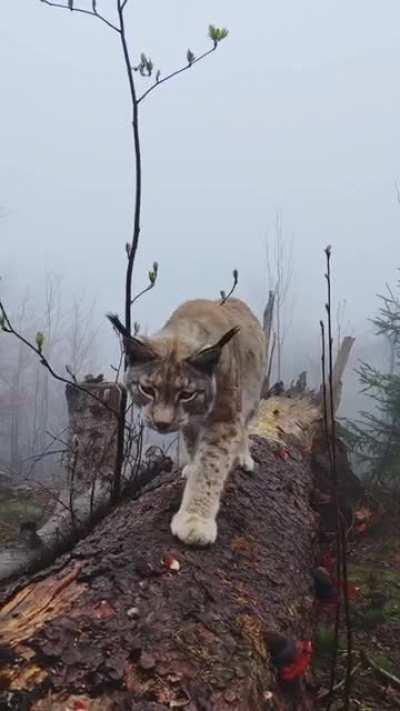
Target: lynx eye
(186, 396)
(147, 391)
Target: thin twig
(324, 393)
(331, 434)
(144, 291)
(49, 491)
(138, 165)
(187, 66)
(341, 562)
(139, 453)
(42, 455)
(324, 694)
(385, 675)
(225, 297)
(329, 695)
(121, 4)
(71, 374)
(342, 552)
(92, 12)
(121, 360)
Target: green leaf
(212, 33)
(39, 339)
(216, 34)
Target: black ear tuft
(137, 350)
(117, 324)
(227, 337)
(207, 359)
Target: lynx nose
(163, 416)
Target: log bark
(130, 618)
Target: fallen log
(130, 615)
(130, 618)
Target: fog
(297, 113)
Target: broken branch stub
(339, 367)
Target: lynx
(200, 375)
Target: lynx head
(171, 385)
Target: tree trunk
(133, 619)
(270, 339)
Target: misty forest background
(285, 142)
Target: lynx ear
(207, 359)
(138, 350)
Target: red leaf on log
(103, 610)
(282, 454)
(300, 664)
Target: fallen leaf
(172, 563)
(103, 610)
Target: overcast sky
(298, 111)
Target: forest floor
(374, 576)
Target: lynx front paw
(193, 529)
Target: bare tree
(15, 394)
(31, 402)
(81, 339)
(279, 260)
